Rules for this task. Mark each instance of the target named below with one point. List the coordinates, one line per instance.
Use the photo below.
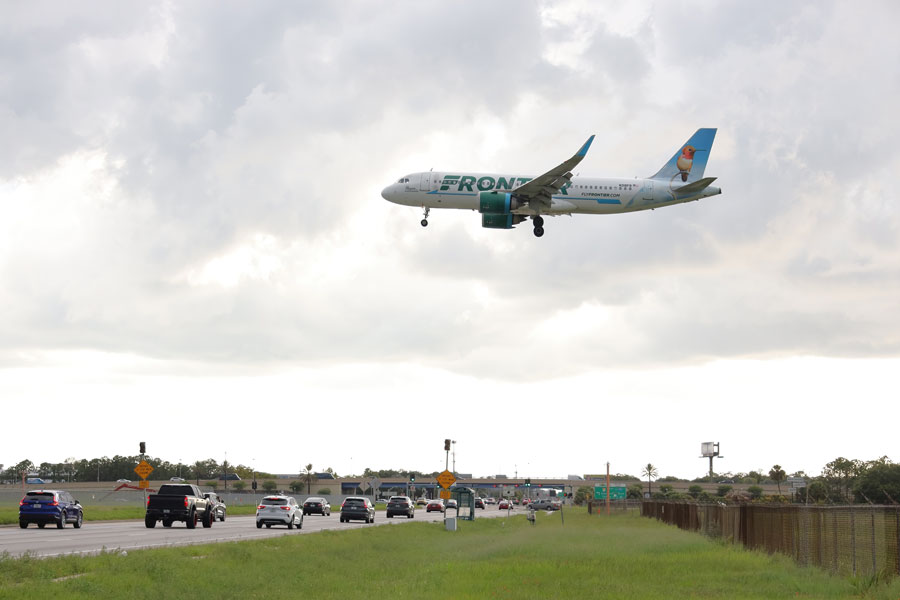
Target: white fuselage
(583, 195)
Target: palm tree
(308, 476)
(651, 473)
(777, 475)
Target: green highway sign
(616, 492)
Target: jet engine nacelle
(497, 203)
(494, 221)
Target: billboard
(709, 449)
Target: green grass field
(623, 556)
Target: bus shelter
(465, 502)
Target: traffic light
(528, 482)
(143, 447)
(412, 478)
(447, 445)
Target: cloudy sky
(194, 251)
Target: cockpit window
(403, 180)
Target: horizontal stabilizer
(694, 188)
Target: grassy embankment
(624, 556)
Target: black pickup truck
(178, 502)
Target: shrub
(296, 486)
(755, 492)
(635, 491)
(239, 486)
(323, 491)
(213, 484)
(269, 485)
(723, 490)
(695, 491)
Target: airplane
(505, 200)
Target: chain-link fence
(848, 540)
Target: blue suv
(50, 506)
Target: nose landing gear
(538, 221)
(425, 219)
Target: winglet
(584, 148)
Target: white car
(279, 510)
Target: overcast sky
(194, 251)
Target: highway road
(95, 536)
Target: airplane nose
(386, 192)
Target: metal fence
(847, 540)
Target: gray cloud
(220, 124)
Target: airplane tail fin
(689, 162)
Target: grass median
(623, 556)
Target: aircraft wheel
(538, 231)
(538, 221)
(424, 222)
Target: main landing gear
(425, 219)
(538, 221)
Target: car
(123, 481)
(381, 501)
(422, 502)
(279, 510)
(504, 505)
(357, 507)
(315, 504)
(177, 479)
(218, 505)
(479, 503)
(50, 506)
(35, 481)
(451, 503)
(401, 505)
(542, 504)
(433, 505)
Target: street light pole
(454, 456)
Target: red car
(437, 505)
(504, 504)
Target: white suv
(279, 510)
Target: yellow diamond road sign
(143, 469)
(446, 479)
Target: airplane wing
(539, 190)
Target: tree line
(122, 467)
(842, 481)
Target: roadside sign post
(445, 480)
(143, 470)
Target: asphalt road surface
(95, 536)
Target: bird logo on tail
(686, 161)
